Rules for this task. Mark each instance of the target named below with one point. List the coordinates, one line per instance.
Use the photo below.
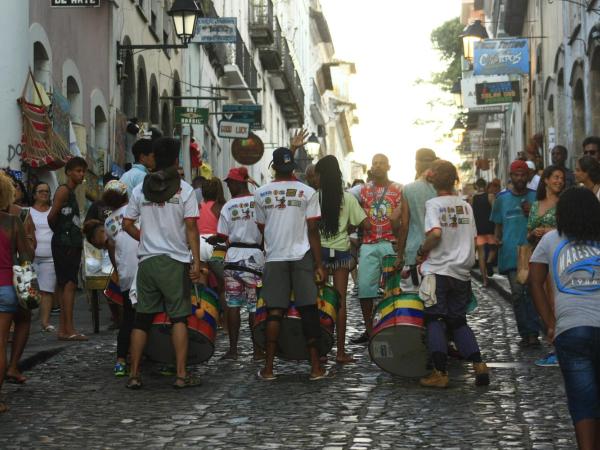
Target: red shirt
(6, 260)
(379, 210)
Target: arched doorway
(165, 117)
(142, 92)
(75, 100)
(595, 90)
(578, 116)
(154, 107)
(177, 99)
(42, 66)
(128, 84)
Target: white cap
(531, 165)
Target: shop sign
(75, 3)
(501, 57)
(497, 92)
(185, 115)
(250, 114)
(233, 130)
(248, 151)
(222, 30)
(469, 91)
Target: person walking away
(13, 245)
(339, 210)
(587, 173)
(67, 245)
(542, 219)
(482, 209)
(569, 255)
(144, 164)
(415, 195)
(244, 260)
(287, 212)
(167, 210)
(381, 200)
(447, 254)
(43, 263)
(559, 156)
(509, 214)
(122, 250)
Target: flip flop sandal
(188, 382)
(326, 374)
(261, 377)
(134, 383)
(49, 329)
(74, 338)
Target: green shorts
(163, 285)
(370, 266)
(282, 278)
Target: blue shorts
(336, 259)
(370, 267)
(8, 299)
(578, 351)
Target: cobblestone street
(74, 401)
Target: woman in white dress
(43, 262)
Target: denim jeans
(578, 351)
(528, 321)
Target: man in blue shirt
(509, 213)
(144, 163)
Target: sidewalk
(42, 346)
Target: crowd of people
(283, 240)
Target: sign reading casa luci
(501, 57)
(499, 92)
(75, 3)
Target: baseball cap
(283, 160)
(237, 174)
(518, 165)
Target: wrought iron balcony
(316, 104)
(270, 55)
(261, 22)
(289, 92)
(240, 70)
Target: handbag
(25, 281)
(42, 146)
(523, 256)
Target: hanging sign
(248, 151)
(498, 92)
(501, 57)
(75, 3)
(250, 114)
(186, 115)
(232, 130)
(222, 30)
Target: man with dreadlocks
(339, 209)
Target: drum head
(400, 351)
(160, 349)
(291, 343)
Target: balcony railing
(261, 22)
(316, 104)
(291, 95)
(270, 55)
(240, 70)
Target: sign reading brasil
(501, 57)
(498, 92)
(186, 115)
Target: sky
(389, 40)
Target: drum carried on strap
(398, 341)
(390, 277)
(202, 330)
(291, 343)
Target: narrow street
(74, 401)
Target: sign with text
(222, 30)
(75, 3)
(250, 114)
(501, 57)
(185, 115)
(498, 92)
(233, 130)
(469, 92)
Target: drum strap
(230, 266)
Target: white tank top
(43, 233)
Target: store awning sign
(222, 30)
(501, 57)
(497, 93)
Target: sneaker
(436, 379)
(482, 374)
(549, 361)
(362, 339)
(121, 369)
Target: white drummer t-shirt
(284, 207)
(126, 248)
(455, 254)
(237, 223)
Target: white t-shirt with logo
(237, 223)
(162, 224)
(284, 207)
(455, 254)
(126, 248)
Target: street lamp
(313, 145)
(184, 14)
(457, 94)
(458, 131)
(475, 32)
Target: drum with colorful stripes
(398, 341)
(390, 277)
(202, 330)
(291, 342)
